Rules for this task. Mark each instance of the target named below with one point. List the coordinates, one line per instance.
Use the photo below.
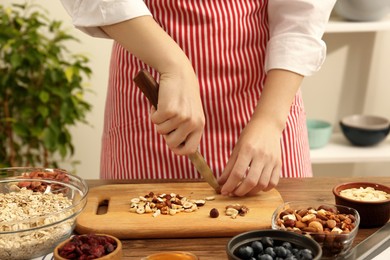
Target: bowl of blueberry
(271, 244)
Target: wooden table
(214, 248)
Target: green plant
(41, 88)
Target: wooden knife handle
(149, 87)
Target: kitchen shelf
(339, 150)
(338, 25)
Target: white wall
(354, 79)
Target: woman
(229, 75)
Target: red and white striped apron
(225, 41)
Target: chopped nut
(165, 204)
(209, 198)
(155, 214)
(172, 212)
(231, 212)
(140, 210)
(135, 200)
(187, 205)
(148, 209)
(199, 202)
(241, 210)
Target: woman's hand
(179, 116)
(255, 163)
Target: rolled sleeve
(296, 30)
(89, 15)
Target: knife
(372, 246)
(149, 87)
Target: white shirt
(296, 27)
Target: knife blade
(149, 86)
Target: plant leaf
(44, 96)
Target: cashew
(308, 217)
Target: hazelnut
(214, 213)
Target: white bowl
(362, 10)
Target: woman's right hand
(179, 116)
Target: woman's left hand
(255, 163)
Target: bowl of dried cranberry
(272, 244)
(89, 246)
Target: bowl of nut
(38, 210)
(371, 200)
(272, 244)
(89, 246)
(334, 227)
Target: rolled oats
(26, 210)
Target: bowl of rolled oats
(334, 227)
(38, 210)
(371, 200)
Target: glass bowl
(38, 210)
(334, 227)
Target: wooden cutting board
(120, 222)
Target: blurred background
(354, 79)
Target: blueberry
(257, 247)
(287, 245)
(265, 257)
(267, 242)
(289, 253)
(291, 257)
(305, 254)
(245, 252)
(280, 251)
(270, 251)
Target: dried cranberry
(89, 246)
(97, 251)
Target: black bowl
(365, 130)
(297, 240)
